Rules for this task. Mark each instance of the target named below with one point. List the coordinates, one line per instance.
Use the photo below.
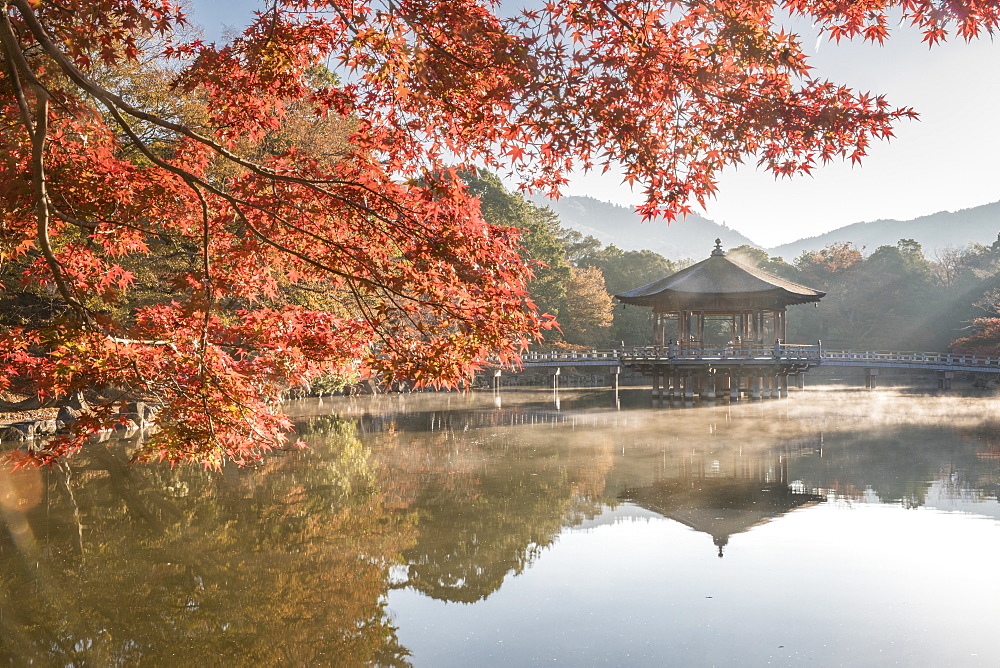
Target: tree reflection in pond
(287, 563)
(493, 513)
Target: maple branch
(87, 225)
(424, 35)
(39, 184)
(15, 60)
(206, 267)
(237, 203)
(111, 99)
(141, 342)
(366, 313)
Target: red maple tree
(423, 288)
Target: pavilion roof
(719, 276)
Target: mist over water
(838, 527)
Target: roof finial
(718, 248)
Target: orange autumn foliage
(422, 287)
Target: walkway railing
(784, 352)
(911, 359)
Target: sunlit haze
(946, 161)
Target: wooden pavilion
(752, 305)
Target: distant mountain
(692, 237)
(934, 232)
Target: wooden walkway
(781, 354)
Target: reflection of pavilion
(723, 503)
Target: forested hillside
(623, 227)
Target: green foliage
(542, 237)
(893, 299)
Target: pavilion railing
(729, 351)
(678, 351)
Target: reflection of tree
(285, 564)
(489, 513)
(897, 465)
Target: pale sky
(946, 161)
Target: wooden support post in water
(708, 392)
(614, 371)
(496, 379)
(944, 379)
(871, 378)
(656, 383)
(784, 386)
(554, 372)
(734, 388)
(755, 385)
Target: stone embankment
(31, 425)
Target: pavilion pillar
(656, 383)
(688, 387)
(784, 386)
(734, 387)
(755, 386)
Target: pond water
(836, 527)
